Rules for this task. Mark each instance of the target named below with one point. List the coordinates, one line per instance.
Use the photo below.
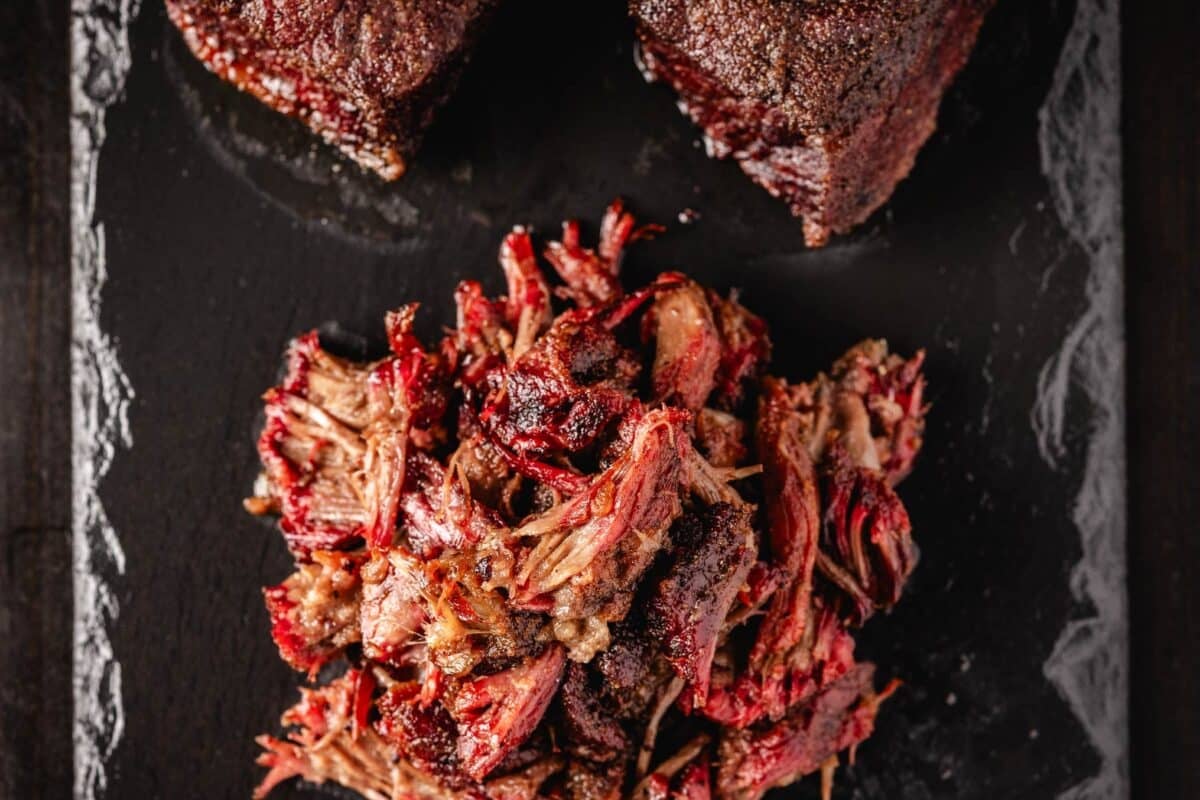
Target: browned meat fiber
(822, 103)
(365, 75)
(586, 546)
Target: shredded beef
(593, 554)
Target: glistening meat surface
(580, 551)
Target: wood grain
(35, 583)
(1162, 248)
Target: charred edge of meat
(691, 603)
(422, 733)
(563, 391)
(590, 731)
(832, 126)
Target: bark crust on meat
(824, 104)
(365, 75)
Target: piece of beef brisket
(823, 103)
(365, 75)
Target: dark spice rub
(824, 103)
(365, 75)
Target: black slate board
(226, 235)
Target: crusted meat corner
(366, 76)
(824, 104)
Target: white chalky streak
(1081, 158)
(100, 395)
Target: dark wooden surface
(1162, 256)
(1162, 190)
(35, 585)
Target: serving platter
(207, 232)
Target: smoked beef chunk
(823, 103)
(365, 75)
(588, 552)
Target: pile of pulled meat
(602, 553)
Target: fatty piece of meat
(879, 402)
(824, 103)
(689, 606)
(687, 347)
(468, 622)
(754, 760)
(364, 75)
(314, 613)
(391, 612)
(496, 713)
(591, 548)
